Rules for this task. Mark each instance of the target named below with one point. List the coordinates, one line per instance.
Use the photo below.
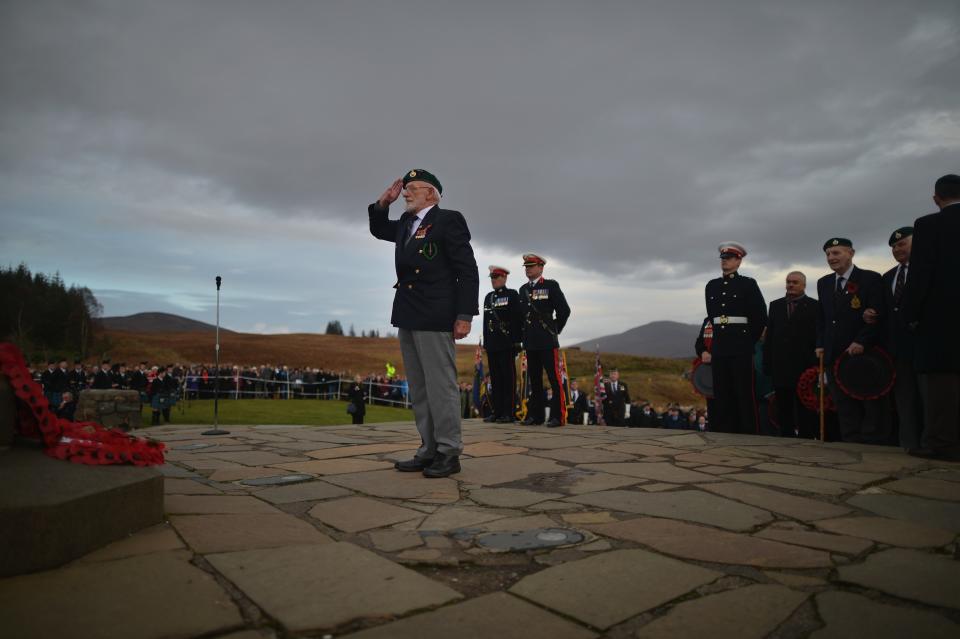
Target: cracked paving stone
(655, 471)
(360, 449)
(335, 466)
(930, 579)
(321, 587)
(228, 532)
(847, 615)
(925, 487)
(584, 455)
(581, 481)
(215, 504)
(818, 472)
(802, 508)
(721, 616)
(394, 540)
(893, 532)
(503, 469)
(794, 482)
(936, 513)
(491, 449)
(833, 543)
(699, 543)
(689, 505)
(510, 497)
(307, 491)
(456, 517)
(395, 485)
(355, 514)
(176, 486)
(611, 587)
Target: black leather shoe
(442, 466)
(414, 465)
(554, 423)
(505, 420)
(490, 418)
(530, 422)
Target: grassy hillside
(656, 379)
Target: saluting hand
(391, 194)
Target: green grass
(276, 411)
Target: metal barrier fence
(233, 387)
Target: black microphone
(218, 282)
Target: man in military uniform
(898, 339)
(788, 351)
(844, 295)
(502, 334)
(738, 313)
(545, 312)
(435, 302)
(615, 400)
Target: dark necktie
(901, 282)
(840, 285)
(408, 230)
(791, 306)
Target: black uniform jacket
(791, 341)
(897, 337)
(437, 278)
(616, 402)
(545, 312)
(840, 320)
(501, 320)
(735, 295)
(930, 298)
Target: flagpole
(216, 380)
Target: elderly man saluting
(436, 300)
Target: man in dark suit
(788, 351)
(738, 314)
(502, 335)
(577, 406)
(435, 302)
(545, 312)
(844, 295)
(898, 340)
(103, 380)
(616, 400)
(932, 306)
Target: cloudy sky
(147, 146)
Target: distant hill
(656, 339)
(156, 323)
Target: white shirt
(906, 274)
(417, 220)
(845, 276)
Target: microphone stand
(216, 380)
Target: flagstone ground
(683, 534)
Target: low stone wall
(112, 408)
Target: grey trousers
(429, 358)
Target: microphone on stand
(216, 380)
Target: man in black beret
(738, 315)
(844, 295)
(435, 302)
(931, 306)
(898, 339)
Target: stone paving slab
(802, 508)
(655, 471)
(159, 538)
(355, 514)
(945, 474)
(699, 543)
(833, 543)
(256, 458)
(931, 512)
(794, 482)
(819, 472)
(321, 587)
(924, 487)
(893, 532)
(560, 441)
(811, 453)
(645, 450)
(109, 599)
(491, 449)
(716, 460)
(454, 517)
(306, 491)
(177, 486)
(209, 504)
(360, 449)
(228, 532)
(587, 481)
(923, 577)
(847, 615)
(396, 485)
(495, 615)
(394, 540)
(245, 472)
(583, 455)
(689, 505)
(721, 616)
(606, 589)
(335, 466)
(510, 497)
(502, 469)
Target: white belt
(724, 319)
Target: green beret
(419, 175)
(899, 234)
(837, 241)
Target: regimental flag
(564, 376)
(599, 394)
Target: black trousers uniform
(545, 312)
(735, 306)
(502, 335)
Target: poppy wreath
(808, 390)
(881, 391)
(79, 442)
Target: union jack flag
(599, 393)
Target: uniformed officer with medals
(738, 314)
(545, 312)
(502, 335)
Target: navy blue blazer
(437, 277)
(840, 320)
(897, 337)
